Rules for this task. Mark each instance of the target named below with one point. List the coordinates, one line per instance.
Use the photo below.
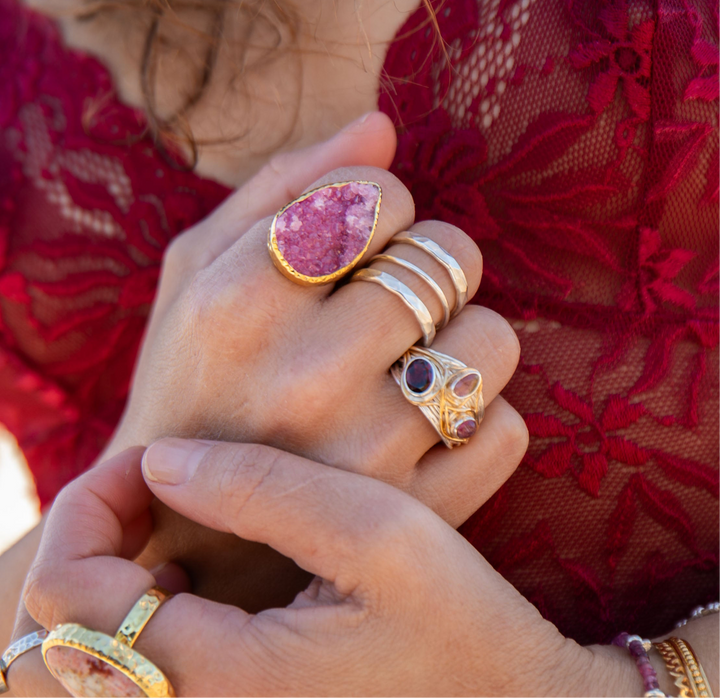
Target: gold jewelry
(139, 615)
(444, 258)
(693, 669)
(94, 646)
(425, 277)
(405, 294)
(321, 236)
(447, 392)
(17, 649)
(675, 667)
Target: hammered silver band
(405, 294)
(445, 259)
(18, 648)
(421, 273)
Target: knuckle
(37, 591)
(485, 326)
(276, 171)
(182, 257)
(242, 468)
(395, 529)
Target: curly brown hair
(280, 23)
(202, 20)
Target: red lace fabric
(577, 143)
(87, 207)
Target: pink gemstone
(83, 675)
(466, 385)
(466, 429)
(329, 229)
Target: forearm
(14, 565)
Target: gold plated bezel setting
(288, 270)
(141, 671)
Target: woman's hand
(401, 603)
(236, 351)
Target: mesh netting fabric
(577, 143)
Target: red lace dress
(576, 142)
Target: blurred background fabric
(19, 505)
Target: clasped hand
(400, 604)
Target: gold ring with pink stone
(90, 663)
(322, 235)
(448, 392)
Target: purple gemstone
(419, 375)
(329, 229)
(466, 429)
(466, 385)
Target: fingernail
(173, 461)
(357, 123)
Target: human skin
(118, 53)
(400, 604)
(201, 374)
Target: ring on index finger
(322, 235)
(88, 662)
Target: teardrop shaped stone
(466, 429)
(466, 385)
(328, 230)
(419, 375)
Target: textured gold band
(139, 615)
(675, 667)
(696, 675)
(130, 663)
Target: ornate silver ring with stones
(447, 392)
(323, 234)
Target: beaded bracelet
(699, 612)
(638, 649)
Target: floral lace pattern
(87, 207)
(577, 143)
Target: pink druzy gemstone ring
(323, 234)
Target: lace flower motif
(654, 283)
(625, 56)
(439, 164)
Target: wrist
(613, 672)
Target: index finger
(87, 530)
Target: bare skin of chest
(274, 86)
